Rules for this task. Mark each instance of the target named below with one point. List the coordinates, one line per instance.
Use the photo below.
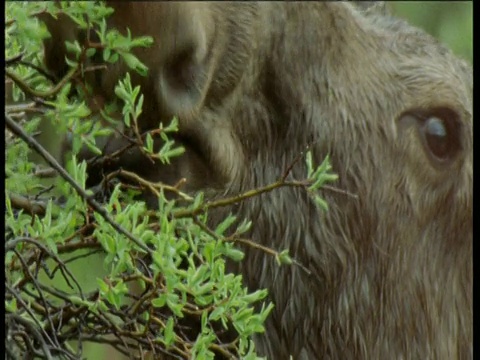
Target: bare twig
(34, 331)
(32, 207)
(32, 315)
(148, 184)
(237, 198)
(11, 244)
(45, 173)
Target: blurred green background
(449, 21)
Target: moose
(390, 269)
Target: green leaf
(321, 203)
(107, 54)
(225, 224)
(103, 286)
(283, 258)
(11, 306)
(131, 60)
(217, 313)
(244, 227)
(149, 143)
(160, 301)
(233, 253)
(122, 93)
(169, 334)
(91, 52)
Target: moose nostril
(185, 65)
(182, 70)
(183, 82)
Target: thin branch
(38, 69)
(18, 130)
(27, 309)
(22, 202)
(40, 94)
(45, 173)
(148, 184)
(34, 331)
(237, 198)
(14, 59)
(11, 244)
(40, 294)
(339, 191)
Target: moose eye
(437, 137)
(440, 133)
